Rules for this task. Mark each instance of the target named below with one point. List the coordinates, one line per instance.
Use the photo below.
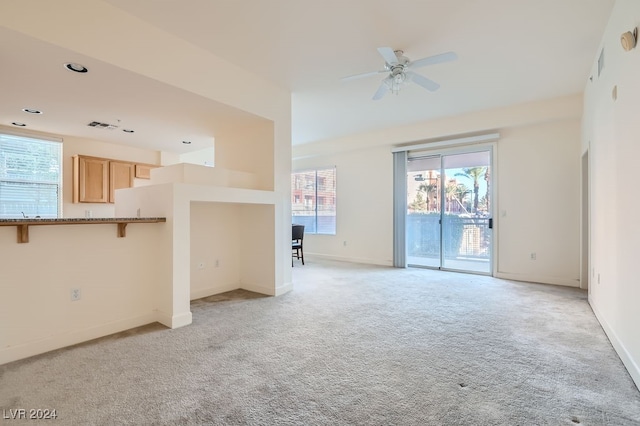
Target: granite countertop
(81, 220)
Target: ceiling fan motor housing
(397, 69)
(402, 60)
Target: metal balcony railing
(462, 237)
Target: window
(30, 177)
(313, 204)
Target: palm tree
(474, 173)
(450, 193)
(461, 192)
(429, 189)
(487, 177)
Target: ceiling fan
(400, 71)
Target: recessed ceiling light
(15, 123)
(32, 111)
(186, 142)
(76, 67)
(127, 130)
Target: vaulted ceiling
(509, 52)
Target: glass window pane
(30, 177)
(313, 200)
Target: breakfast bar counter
(121, 222)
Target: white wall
(364, 191)
(203, 157)
(258, 249)
(215, 248)
(537, 182)
(538, 209)
(116, 276)
(231, 248)
(611, 135)
(251, 150)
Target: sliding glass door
(448, 222)
(424, 208)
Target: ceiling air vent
(99, 125)
(601, 62)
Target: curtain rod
(449, 142)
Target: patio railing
(462, 237)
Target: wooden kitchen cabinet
(96, 179)
(120, 176)
(143, 171)
(90, 180)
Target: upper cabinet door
(121, 176)
(91, 178)
(143, 171)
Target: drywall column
(181, 294)
(172, 291)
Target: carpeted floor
(350, 345)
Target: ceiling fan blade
(366, 74)
(423, 81)
(435, 59)
(388, 54)
(382, 90)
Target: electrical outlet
(533, 256)
(201, 265)
(344, 243)
(75, 294)
(217, 263)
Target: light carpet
(350, 345)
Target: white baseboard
(259, 288)
(285, 288)
(625, 356)
(14, 353)
(210, 291)
(349, 259)
(541, 279)
(174, 321)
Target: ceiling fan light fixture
(396, 81)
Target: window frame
(60, 178)
(302, 176)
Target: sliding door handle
(490, 223)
